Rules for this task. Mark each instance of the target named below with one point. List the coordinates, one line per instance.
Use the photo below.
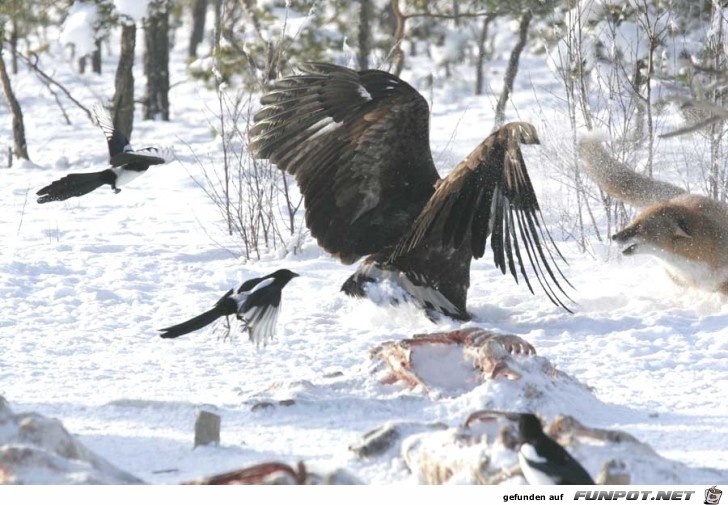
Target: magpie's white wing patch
(164, 153)
(262, 284)
(529, 452)
(143, 158)
(259, 318)
(117, 141)
(103, 118)
(124, 177)
(528, 455)
(261, 323)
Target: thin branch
(477, 14)
(34, 66)
(694, 127)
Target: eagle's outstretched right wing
(490, 194)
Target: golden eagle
(357, 143)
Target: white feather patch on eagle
(322, 127)
(364, 93)
(423, 295)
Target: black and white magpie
(543, 460)
(256, 304)
(126, 164)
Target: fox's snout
(626, 234)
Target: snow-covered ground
(84, 284)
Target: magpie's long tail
(75, 185)
(194, 324)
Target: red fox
(688, 232)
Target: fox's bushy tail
(619, 180)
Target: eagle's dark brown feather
(358, 146)
(490, 194)
(346, 137)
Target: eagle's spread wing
(490, 193)
(117, 141)
(358, 146)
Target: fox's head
(657, 230)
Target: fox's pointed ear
(680, 230)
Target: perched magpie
(543, 460)
(126, 165)
(256, 303)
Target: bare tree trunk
(482, 53)
(716, 178)
(638, 81)
(512, 70)
(19, 144)
(123, 103)
(365, 14)
(81, 65)
(217, 32)
(96, 57)
(13, 45)
(397, 53)
(648, 100)
(156, 62)
(199, 12)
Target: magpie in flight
(357, 143)
(256, 303)
(126, 165)
(543, 460)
